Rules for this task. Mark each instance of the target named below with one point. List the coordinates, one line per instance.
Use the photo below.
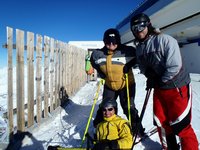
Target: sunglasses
(139, 27)
(107, 109)
(111, 40)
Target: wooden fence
(57, 65)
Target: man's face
(111, 46)
(140, 30)
(141, 34)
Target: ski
(147, 135)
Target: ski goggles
(107, 109)
(110, 40)
(139, 27)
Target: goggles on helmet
(139, 27)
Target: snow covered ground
(67, 126)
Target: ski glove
(125, 69)
(106, 145)
(55, 147)
(150, 73)
(102, 81)
(150, 83)
(152, 78)
(128, 65)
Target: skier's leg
(173, 109)
(172, 142)
(134, 111)
(183, 127)
(160, 120)
(188, 139)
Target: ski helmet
(108, 102)
(112, 35)
(139, 22)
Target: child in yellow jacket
(113, 132)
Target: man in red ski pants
(159, 59)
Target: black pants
(107, 92)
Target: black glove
(101, 146)
(150, 83)
(113, 144)
(152, 78)
(129, 65)
(125, 69)
(150, 73)
(106, 145)
(53, 147)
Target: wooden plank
(71, 70)
(46, 75)
(30, 77)
(67, 69)
(20, 79)
(39, 77)
(56, 72)
(51, 74)
(60, 65)
(10, 78)
(25, 47)
(64, 63)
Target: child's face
(108, 112)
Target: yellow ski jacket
(115, 128)
(110, 64)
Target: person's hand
(125, 69)
(150, 83)
(102, 81)
(128, 66)
(150, 73)
(55, 147)
(101, 146)
(106, 145)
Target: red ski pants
(172, 115)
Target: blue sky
(65, 20)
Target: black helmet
(111, 35)
(108, 102)
(139, 18)
(139, 22)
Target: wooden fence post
(20, 79)
(39, 77)
(10, 78)
(60, 78)
(51, 74)
(30, 76)
(46, 75)
(56, 72)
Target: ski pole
(92, 110)
(142, 114)
(128, 98)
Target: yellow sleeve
(125, 136)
